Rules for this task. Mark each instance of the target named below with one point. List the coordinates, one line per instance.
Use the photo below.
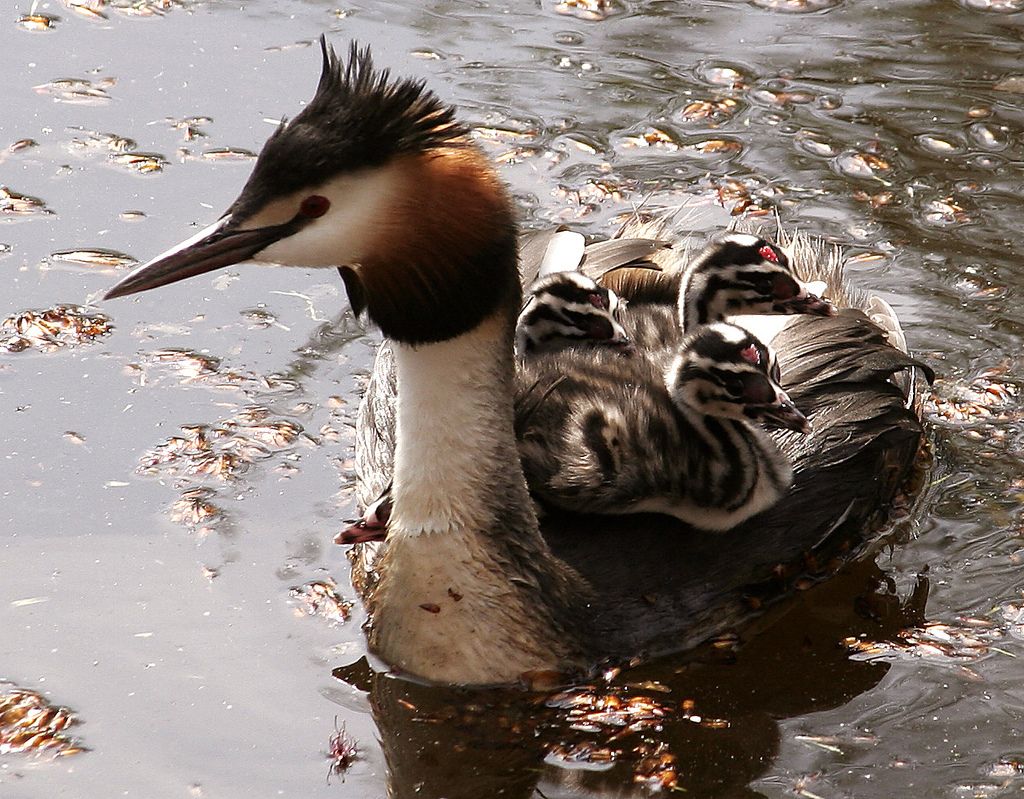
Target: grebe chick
(740, 273)
(564, 309)
(736, 274)
(617, 436)
(377, 178)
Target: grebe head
(374, 177)
(724, 371)
(566, 308)
(743, 274)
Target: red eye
(751, 355)
(314, 206)
(598, 300)
(768, 253)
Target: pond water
(165, 486)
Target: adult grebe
(375, 177)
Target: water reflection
(718, 707)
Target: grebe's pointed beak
(213, 247)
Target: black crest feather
(359, 117)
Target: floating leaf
(97, 256)
(37, 22)
(590, 10)
(14, 204)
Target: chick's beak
(807, 303)
(784, 414)
(214, 247)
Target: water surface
(893, 129)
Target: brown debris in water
(967, 639)
(89, 9)
(223, 451)
(986, 398)
(38, 22)
(586, 754)
(190, 127)
(1013, 84)
(192, 367)
(657, 767)
(78, 91)
(866, 165)
(716, 147)
(228, 154)
(95, 9)
(193, 508)
(51, 329)
(711, 111)
(18, 205)
(29, 724)
(590, 195)
(590, 710)
(652, 137)
(743, 198)
(94, 140)
(97, 256)
(782, 97)
(321, 598)
(730, 77)
(143, 163)
(590, 10)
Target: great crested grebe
(375, 177)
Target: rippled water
(146, 569)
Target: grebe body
(377, 178)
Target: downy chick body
(679, 436)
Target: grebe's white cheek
(318, 244)
(360, 207)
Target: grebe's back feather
(599, 260)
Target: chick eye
(751, 355)
(314, 206)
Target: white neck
(463, 537)
(453, 419)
